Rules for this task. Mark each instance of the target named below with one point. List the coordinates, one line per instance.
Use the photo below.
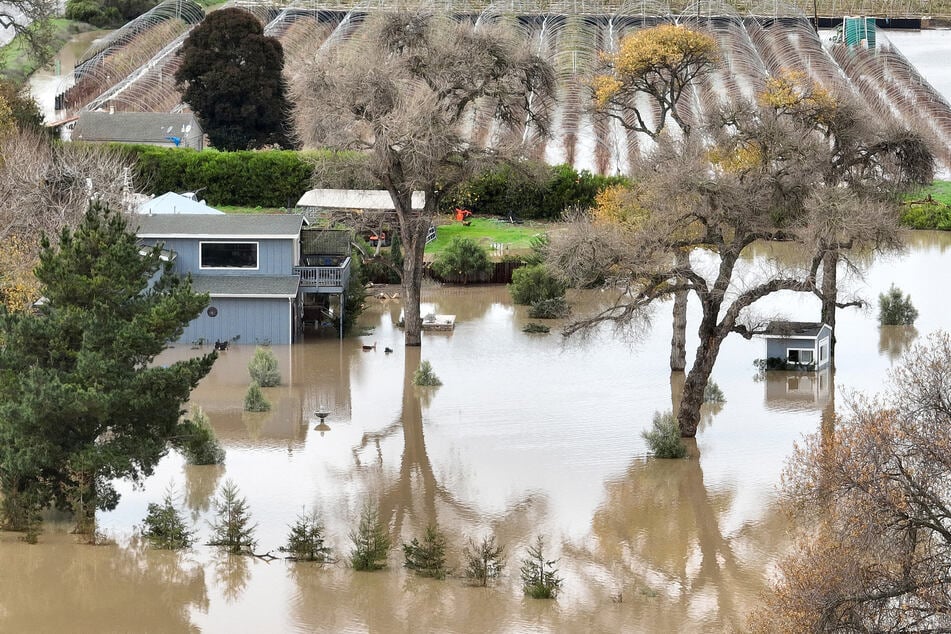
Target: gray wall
(778, 347)
(258, 321)
(275, 257)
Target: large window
(802, 356)
(229, 255)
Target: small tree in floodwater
(254, 399)
(425, 377)
(263, 368)
(484, 560)
(540, 578)
(894, 309)
(306, 541)
(427, 558)
(663, 438)
(232, 527)
(371, 544)
(199, 444)
(165, 526)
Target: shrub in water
(463, 260)
(370, 542)
(254, 400)
(263, 368)
(165, 526)
(484, 560)
(306, 539)
(532, 284)
(232, 527)
(536, 328)
(540, 578)
(199, 445)
(427, 558)
(556, 308)
(424, 376)
(663, 438)
(712, 393)
(895, 309)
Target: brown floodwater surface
(528, 435)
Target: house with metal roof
(169, 129)
(797, 345)
(260, 274)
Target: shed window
(801, 356)
(229, 255)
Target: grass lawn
(933, 215)
(486, 232)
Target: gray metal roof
(246, 285)
(791, 329)
(138, 127)
(219, 225)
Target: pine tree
(306, 539)
(427, 559)
(540, 578)
(232, 527)
(81, 403)
(165, 527)
(370, 541)
(484, 560)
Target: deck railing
(325, 276)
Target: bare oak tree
(661, 62)
(874, 554)
(404, 88)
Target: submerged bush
(463, 260)
(305, 542)
(425, 377)
(532, 284)
(895, 309)
(663, 438)
(263, 368)
(536, 328)
(712, 393)
(165, 526)
(254, 400)
(556, 308)
(427, 558)
(371, 544)
(540, 578)
(199, 445)
(484, 560)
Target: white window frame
(800, 351)
(257, 259)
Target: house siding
(256, 320)
(778, 347)
(275, 256)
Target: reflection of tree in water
(98, 588)
(894, 340)
(662, 527)
(232, 573)
(201, 482)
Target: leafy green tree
(463, 260)
(232, 527)
(231, 77)
(370, 541)
(532, 284)
(540, 578)
(165, 527)
(263, 368)
(484, 560)
(81, 403)
(895, 309)
(427, 558)
(663, 438)
(424, 376)
(306, 541)
(199, 445)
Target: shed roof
(134, 127)
(794, 329)
(250, 286)
(172, 203)
(245, 226)
(355, 199)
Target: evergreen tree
(370, 541)
(306, 542)
(232, 527)
(81, 404)
(540, 578)
(165, 527)
(231, 77)
(427, 559)
(263, 368)
(484, 560)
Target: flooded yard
(528, 435)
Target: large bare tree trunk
(412, 287)
(678, 341)
(688, 416)
(830, 263)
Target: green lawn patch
(486, 232)
(929, 208)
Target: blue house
(797, 345)
(261, 271)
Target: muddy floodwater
(527, 436)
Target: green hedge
(530, 190)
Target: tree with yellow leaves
(660, 62)
(874, 506)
